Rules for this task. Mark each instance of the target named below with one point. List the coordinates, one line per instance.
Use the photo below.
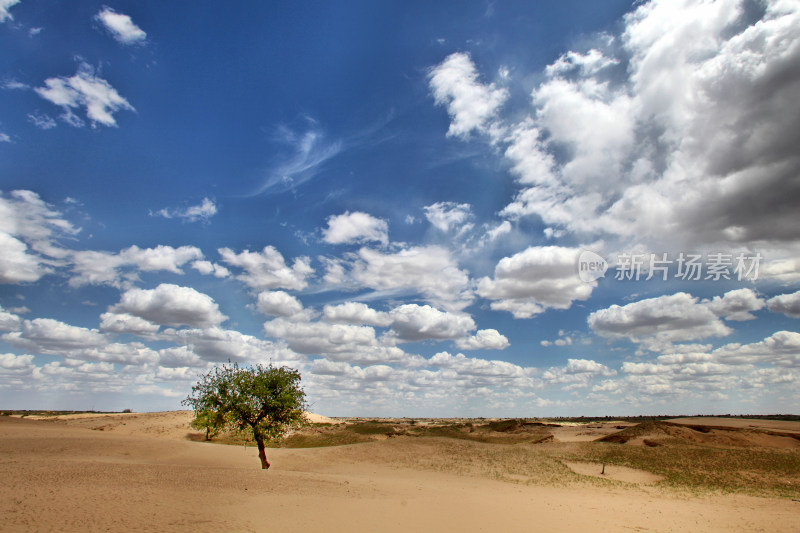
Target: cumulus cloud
(534, 280)
(428, 270)
(16, 264)
(195, 213)
(355, 313)
(736, 304)
(788, 304)
(45, 335)
(121, 269)
(268, 269)
(338, 342)
(216, 345)
(484, 339)
(478, 367)
(86, 90)
(356, 227)
(687, 123)
(8, 321)
(9, 361)
(577, 372)
(782, 348)
(471, 104)
(181, 356)
(30, 230)
(207, 267)
(121, 27)
(412, 322)
(126, 323)
(278, 303)
(170, 305)
(661, 320)
(448, 216)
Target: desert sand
(150, 472)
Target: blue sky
(471, 209)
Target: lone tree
(267, 400)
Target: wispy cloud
(195, 213)
(310, 150)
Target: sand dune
(140, 472)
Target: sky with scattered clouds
(429, 209)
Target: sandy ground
(139, 472)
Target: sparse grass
(523, 452)
(755, 471)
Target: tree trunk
(262, 454)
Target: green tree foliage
(211, 421)
(265, 400)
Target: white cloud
(577, 372)
(562, 340)
(4, 138)
(121, 26)
(84, 89)
(355, 313)
(484, 339)
(646, 368)
(657, 322)
(736, 304)
(16, 264)
(207, 267)
(195, 213)
(447, 216)
(782, 348)
(9, 361)
(29, 233)
(278, 303)
(504, 228)
(339, 342)
(126, 323)
(471, 104)
(427, 270)
(470, 366)
(121, 270)
(132, 353)
(267, 269)
(5, 5)
(588, 64)
(170, 305)
(219, 345)
(8, 321)
(356, 227)
(45, 335)
(182, 356)
(785, 269)
(534, 280)
(690, 144)
(788, 304)
(412, 322)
